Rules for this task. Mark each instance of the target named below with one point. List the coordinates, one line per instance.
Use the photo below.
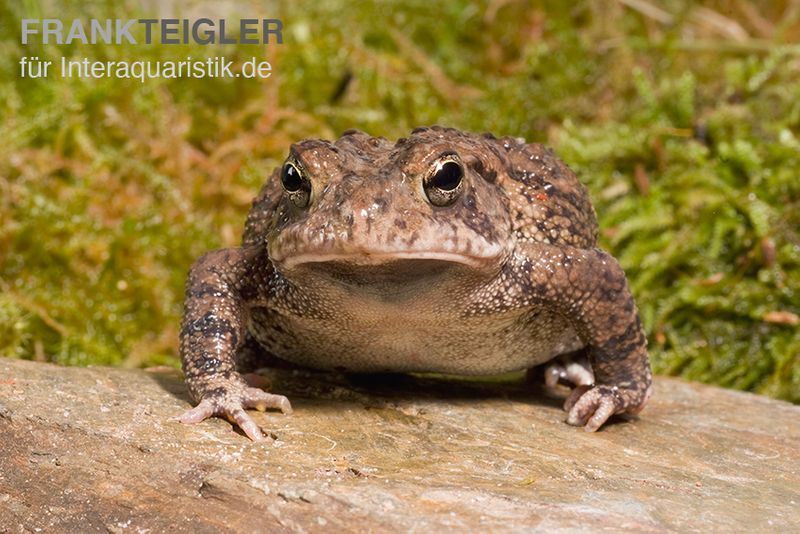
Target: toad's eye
(296, 185)
(444, 182)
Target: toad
(446, 251)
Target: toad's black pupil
(291, 178)
(448, 176)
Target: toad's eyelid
(293, 158)
(450, 155)
(442, 159)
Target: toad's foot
(591, 406)
(230, 400)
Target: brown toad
(445, 251)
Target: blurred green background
(682, 118)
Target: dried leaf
(781, 317)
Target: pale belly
(398, 340)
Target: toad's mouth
(386, 269)
(377, 259)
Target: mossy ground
(682, 118)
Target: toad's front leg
(589, 288)
(213, 330)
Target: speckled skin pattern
(370, 272)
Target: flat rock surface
(98, 450)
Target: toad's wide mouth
(388, 275)
(395, 260)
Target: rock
(98, 450)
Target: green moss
(686, 137)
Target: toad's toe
(591, 407)
(231, 401)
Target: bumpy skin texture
(371, 275)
